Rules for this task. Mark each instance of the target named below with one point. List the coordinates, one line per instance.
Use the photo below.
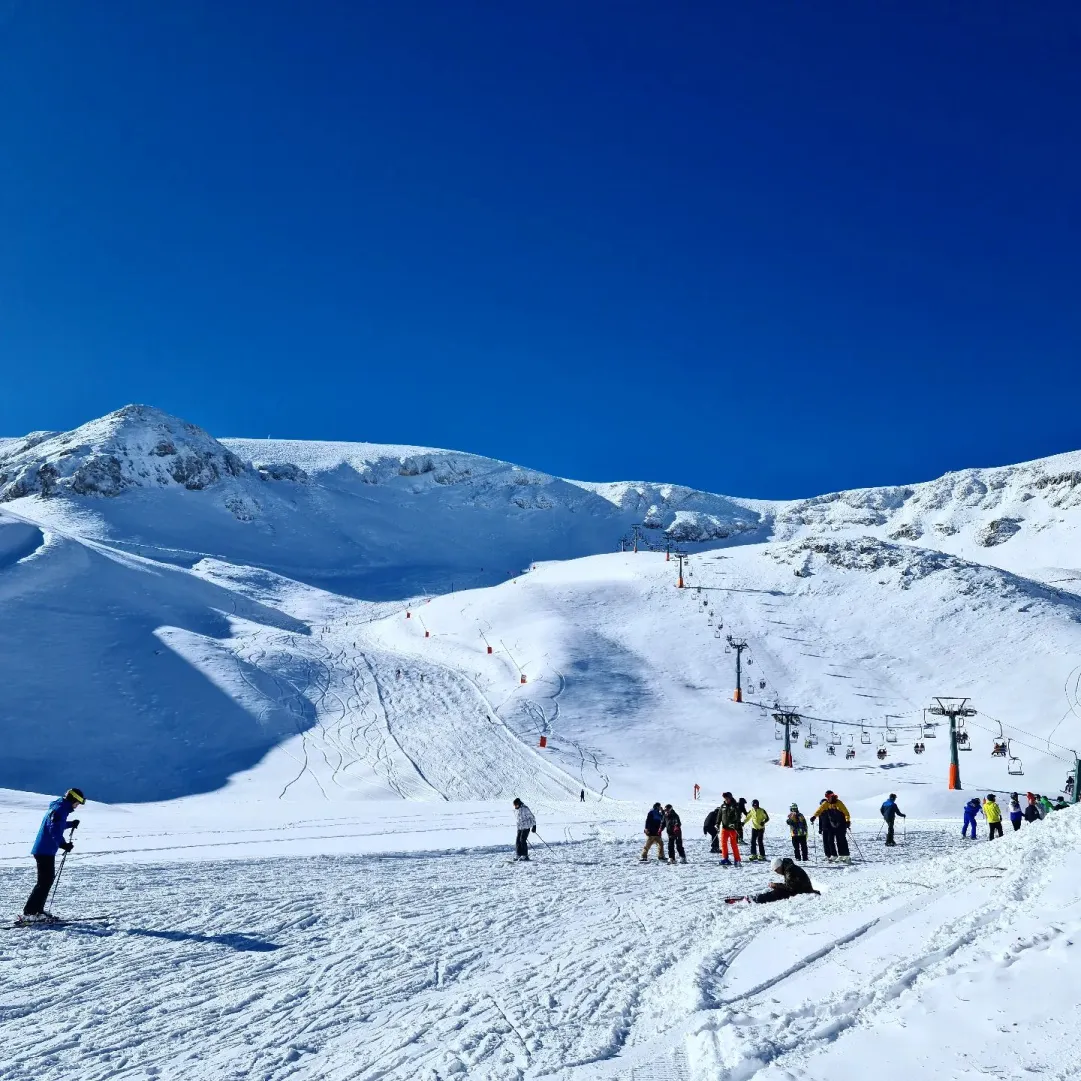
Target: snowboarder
(49, 841)
(741, 803)
(972, 808)
(526, 824)
(797, 824)
(833, 822)
(729, 819)
(1016, 814)
(891, 812)
(674, 828)
(654, 827)
(1032, 811)
(1068, 787)
(758, 817)
(796, 881)
(711, 827)
(993, 813)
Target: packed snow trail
(581, 965)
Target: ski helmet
(75, 795)
(777, 864)
(794, 807)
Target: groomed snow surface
(935, 959)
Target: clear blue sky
(768, 249)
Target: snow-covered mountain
(194, 610)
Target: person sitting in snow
(796, 881)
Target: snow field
(582, 964)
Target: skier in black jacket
(674, 828)
(795, 882)
(713, 829)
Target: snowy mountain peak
(137, 446)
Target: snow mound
(135, 447)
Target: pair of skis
(60, 922)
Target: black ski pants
(675, 844)
(1016, 823)
(35, 903)
(714, 840)
(889, 830)
(780, 892)
(834, 841)
(799, 847)
(758, 842)
(521, 844)
(994, 829)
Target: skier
(758, 817)
(526, 824)
(795, 882)
(1060, 805)
(1016, 814)
(653, 829)
(1068, 786)
(891, 812)
(993, 813)
(711, 826)
(797, 824)
(674, 828)
(49, 840)
(582, 796)
(1032, 811)
(833, 821)
(972, 808)
(741, 803)
(729, 818)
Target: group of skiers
(725, 826)
(1036, 808)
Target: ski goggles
(75, 797)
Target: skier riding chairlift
(850, 753)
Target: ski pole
(56, 882)
(857, 844)
(814, 838)
(549, 847)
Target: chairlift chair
(928, 732)
(1013, 763)
(865, 736)
(717, 634)
(918, 748)
(777, 733)
(891, 736)
(881, 752)
(761, 684)
(709, 622)
(830, 749)
(963, 743)
(836, 739)
(850, 753)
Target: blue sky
(766, 249)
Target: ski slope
(302, 682)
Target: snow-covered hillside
(352, 656)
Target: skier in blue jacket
(972, 808)
(49, 841)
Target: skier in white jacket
(526, 822)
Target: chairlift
(851, 741)
(836, 739)
(963, 743)
(850, 753)
(830, 749)
(881, 752)
(761, 684)
(812, 735)
(865, 736)
(777, 733)
(749, 661)
(891, 735)
(807, 742)
(1013, 764)
(728, 649)
(918, 747)
(750, 688)
(998, 745)
(717, 633)
(709, 622)
(928, 732)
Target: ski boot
(726, 863)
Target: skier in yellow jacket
(758, 818)
(993, 813)
(834, 821)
